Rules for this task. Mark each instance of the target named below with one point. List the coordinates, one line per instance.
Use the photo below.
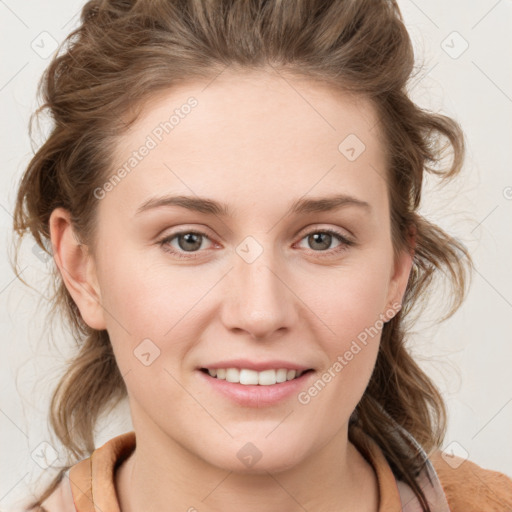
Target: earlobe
(77, 269)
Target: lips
(257, 396)
(250, 372)
(257, 366)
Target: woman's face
(277, 256)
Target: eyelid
(165, 242)
(319, 228)
(345, 241)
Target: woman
(230, 192)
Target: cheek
(351, 301)
(153, 316)
(352, 306)
(352, 310)
(147, 298)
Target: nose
(259, 301)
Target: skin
(257, 142)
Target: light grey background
(469, 356)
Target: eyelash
(345, 243)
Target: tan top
(88, 486)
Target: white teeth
(267, 378)
(248, 377)
(281, 375)
(252, 377)
(233, 375)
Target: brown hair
(125, 51)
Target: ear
(77, 269)
(401, 271)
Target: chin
(256, 457)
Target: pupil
(190, 238)
(317, 238)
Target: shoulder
(471, 488)
(60, 500)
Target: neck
(161, 472)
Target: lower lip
(256, 395)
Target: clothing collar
(93, 490)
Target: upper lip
(258, 366)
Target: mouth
(249, 377)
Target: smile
(251, 377)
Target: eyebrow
(209, 206)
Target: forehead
(255, 133)
(261, 104)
